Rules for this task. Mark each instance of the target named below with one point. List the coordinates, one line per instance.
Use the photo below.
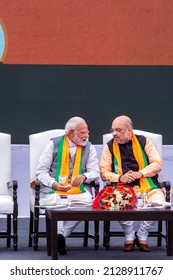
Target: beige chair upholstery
(8, 191)
(156, 139)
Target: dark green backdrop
(34, 98)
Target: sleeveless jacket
(128, 160)
(52, 171)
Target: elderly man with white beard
(73, 158)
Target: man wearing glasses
(133, 160)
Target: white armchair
(8, 192)
(156, 139)
(37, 143)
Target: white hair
(73, 123)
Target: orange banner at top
(88, 32)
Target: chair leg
(9, 230)
(96, 236)
(106, 236)
(166, 228)
(36, 227)
(30, 229)
(15, 230)
(86, 229)
(159, 238)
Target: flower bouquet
(120, 197)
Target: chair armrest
(167, 186)
(13, 185)
(37, 193)
(35, 185)
(96, 185)
(106, 183)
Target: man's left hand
(136, 175)
(78, 180)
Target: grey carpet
(75, 249)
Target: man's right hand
(127, 177)
(59, 187)
(130, 176)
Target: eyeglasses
(116, 130)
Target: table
(90, 214)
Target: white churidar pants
(142, 233)
(65, 227)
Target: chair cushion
(6, 204)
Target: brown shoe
(142, 246)
(128, 246)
